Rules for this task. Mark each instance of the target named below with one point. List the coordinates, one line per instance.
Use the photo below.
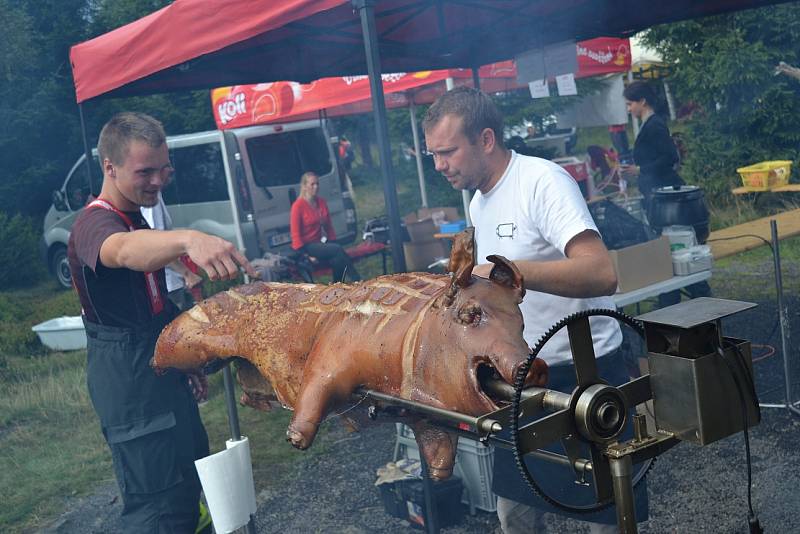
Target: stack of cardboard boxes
(424, 249)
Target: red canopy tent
(194, 44)
(245, 105)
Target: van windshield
(280, 159)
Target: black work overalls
(151, 423)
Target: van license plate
(276, 240)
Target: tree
(37, 111)
(724, 66)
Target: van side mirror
(58, 200)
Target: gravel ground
(692, 489)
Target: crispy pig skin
(416, 336)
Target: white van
(237, 184)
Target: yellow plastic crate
(766, 175)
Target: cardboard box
(421, 254)
(438, 214)
(421, 231)
(422, 224)
(640, 265)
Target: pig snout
(508, 364)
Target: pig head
(423, 337)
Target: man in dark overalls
(151, 422)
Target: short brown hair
(475, 108)
(117, 134)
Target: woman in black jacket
(656, 158)
(654, 151)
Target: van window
(77, 188)
(281, 159)
(199, 175)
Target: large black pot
(680, 205)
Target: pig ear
(506, 273)
(462, 257)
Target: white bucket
(62, 333)
(680, 237)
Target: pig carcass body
(417, 336)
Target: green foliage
(40, 135)
(19, 257)
(724, 67)
(22, 309)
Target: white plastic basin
(62, 333)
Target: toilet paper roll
(242, 448)
(227, 479)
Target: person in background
(346, 154)
(656, 158)
(179, 275)
(654, 152)
(312, 230)
(619, 140)
(151, 422)
(531, 211)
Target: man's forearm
(144, 250)
(579, 277)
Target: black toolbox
(406, 499)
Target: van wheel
(59, 266)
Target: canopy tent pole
(366, 9)
(418, 152)
(87, 152)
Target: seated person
(311, 229)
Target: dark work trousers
(152, 426)
(556, 480)
(334, 255)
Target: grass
(51, 447)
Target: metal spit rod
(551, 401)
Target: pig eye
(470, 314)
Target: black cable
(519, 384)
(753, 522)
(767, 242)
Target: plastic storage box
(474, 463)
(406, 499)
(766, 175)
(452, 227)
(692, 260)
(62, 333)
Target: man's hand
(217, 257)
(199, 384)
(191, 279)
(788, 70)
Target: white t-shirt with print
(531, 214)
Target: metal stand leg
(431, 519)
(622, 473)
(233, 423)
(784, 323)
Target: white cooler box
(474, 463)
(692, 260)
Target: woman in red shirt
(311, 230)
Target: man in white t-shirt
(179, 276)
(531, 211)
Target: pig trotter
(301, 434)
